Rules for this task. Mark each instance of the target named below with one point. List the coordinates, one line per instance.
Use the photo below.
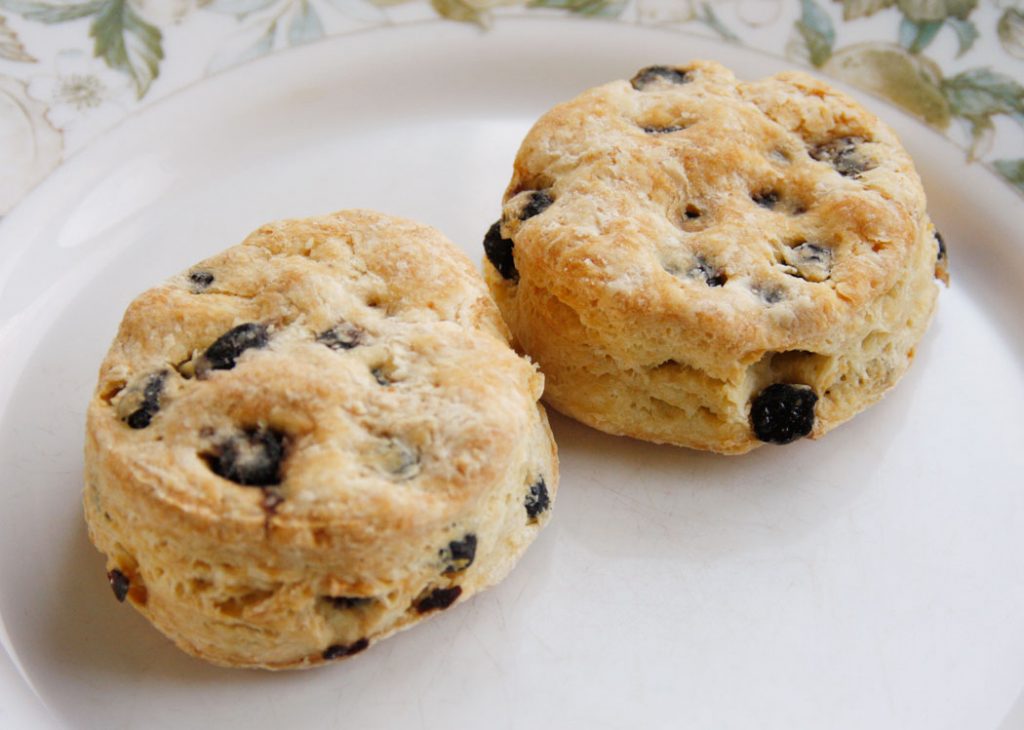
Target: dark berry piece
(342, 336)
(499, 252)
(767, 199)
(347, 602)
(663, 130)
(770, 294)
(139, 419)
(812, 253)
(223, 353)
(540, 200)
(398, 458)
(143, 415)
(200, 280)
(811, 261)
(651, 74)
(691, 213)
(119, 583)
(782, 413)
(537, 499)
(709, 274)
(251, 458)
(941, 260)
(437, 599)
(380, 377)
(459, 554)
(844, 155)
(338, 651)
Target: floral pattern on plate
(70, 69)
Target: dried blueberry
(811, 261)
(119, 583)
(342, 336)
(844, 155)
(537, 499)
(379, 375)
(651, 74)
(540, 200)
(251, 458)
(141, 416)
(782, 413)
(439, 598)
(223, 353)
(347, 602)
(691, 213)
(337, 651)
(941, 260)
(459, 554)
(200, 280)
(664, 130)
(709, 274)
(769, 294)
(499, 252)
(813, 253)
(767, 199)
(398, 458)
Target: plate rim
(159, 105)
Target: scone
(312, 440)
(716, 264)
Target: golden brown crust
(702, 235)
(406, 423)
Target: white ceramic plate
(874, 579)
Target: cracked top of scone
(744, 217)
(349, 370)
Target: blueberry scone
(716, 264)
(312, 440)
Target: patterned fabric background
(70, 69)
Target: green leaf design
(305, 25)
(121, 38)
(909, 81)
(241, 9)
(707, 17)
(966, 34)
(915, 36)
(983, 92)
(596, 8)
(853, 9)
(979, 94)
(127, 43)
(52, 12)
(816, 28)
(1011, 32)
(458, 10)
(11, 47)
(232, 56)
(923, 11)
(1012, 170)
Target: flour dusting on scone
(312, 440)
(716, 264)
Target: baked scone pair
(322, 435)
